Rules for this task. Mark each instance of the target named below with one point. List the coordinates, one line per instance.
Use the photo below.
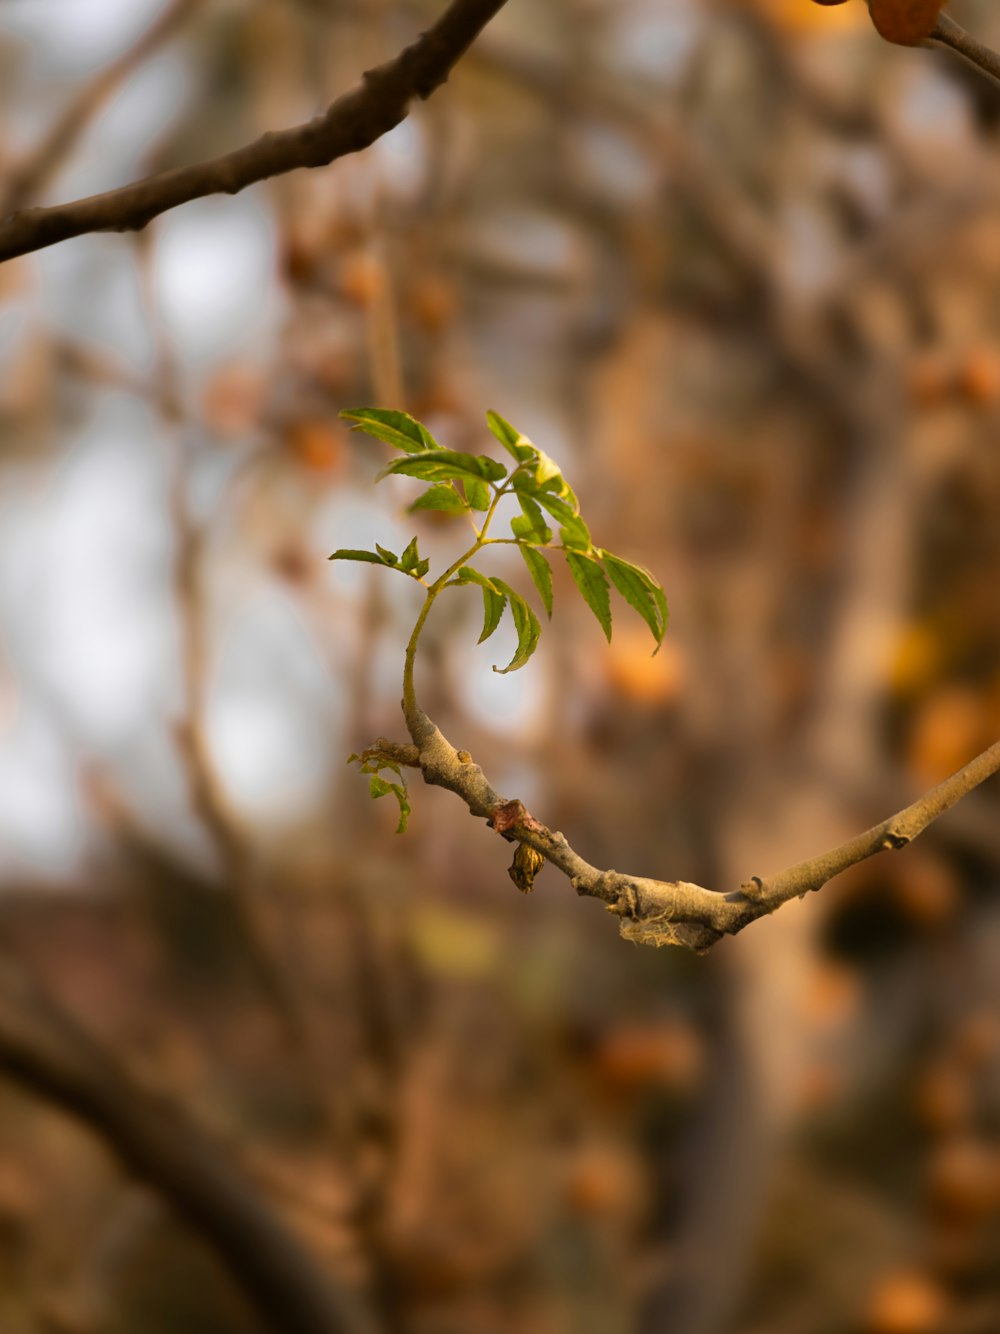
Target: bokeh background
(735, 266)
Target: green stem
(409, 693)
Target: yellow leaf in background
(455, 943)
(906, 1303)
(915, 659)
(951, 727)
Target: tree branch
(44, 1050)
(351, 123)
(946, 32)
(672, 912)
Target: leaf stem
(409, 693)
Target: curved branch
(353, 122)
(667, 912)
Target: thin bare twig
(351, 123)
(674, 912)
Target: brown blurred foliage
(735, 266)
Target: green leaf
(493, 598)
(547, 470)
(395, 428)
(641, 591)
(380, 787)
(477, 493)
(512, 440)
(557, 507)
(388, 558)
(410, 557)
(441, 465)
(525, 531)
(420, 569)
(530, 524)
(541, 574)
(524, 483)
(526, 624)
(576, 534)
(348, 553)
(443, 497)
(592, 583)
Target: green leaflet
(410, 557)
(395, 428)
(526, 624)
(547, 470)
(576, 534)
(592, 583)
(641, 591)
(494, 598)
(441, 465)
(443, 497)
(557, 507)
(541, 575)
(381, 787)
(531, 525)
(477, 493)
(387, 557)
(348, 553)
(512, 440)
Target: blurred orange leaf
(905, 22)
(906, 1303)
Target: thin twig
(353, 122)
(676, 912)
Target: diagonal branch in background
(946, 32)
(43, 1050)
(36, 169)
(658, 912)
(353, 122)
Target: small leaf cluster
(373, 764)
(471, 485)
(408, 562)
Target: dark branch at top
(351, 123)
